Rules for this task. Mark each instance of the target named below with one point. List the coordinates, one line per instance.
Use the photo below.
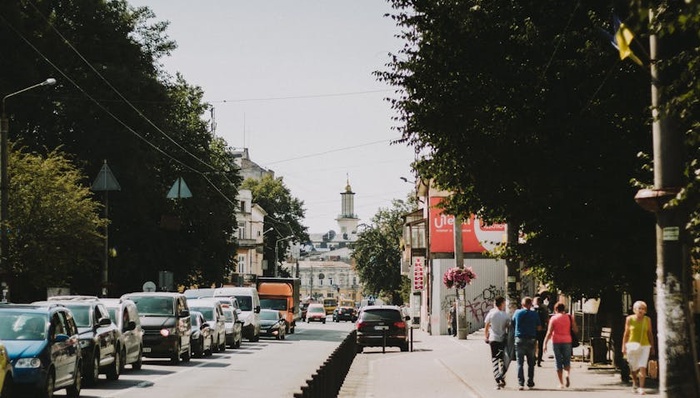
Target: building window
(242, 204)
(241, 230)
(242, 269)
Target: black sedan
(272, 324)
(345, 314)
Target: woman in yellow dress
(637, 344)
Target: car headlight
(28, 363)
(84, 343)
(165, 332)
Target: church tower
(347, 220)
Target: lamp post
(276, 251)
(5, 184)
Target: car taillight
(359, 325)
(400, 324)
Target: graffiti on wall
(477, 307)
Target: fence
(329, 377)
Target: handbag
(653, 369)
(574, 337)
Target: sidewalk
(442, 366)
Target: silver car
(214, 315)
(125, 315)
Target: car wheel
(93, 371)
(284, 336)
(404, 347)
(323, 321)
(255, 338)
(116, 367)
(47, 391)
(238, 342)
(175, 358)
(123, 361)
(222, 345)
(211, 344)
(139, 362)
(73, 390)
(7, 386)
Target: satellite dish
(149, 287)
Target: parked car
(214, 316)
(272, 324)
(5, 373)
(165, 319)
(201, 339)
(198, 293)
(315, 313)
(100, 339)
(234, 332)
(249, 302)
(42, 344)
(125, 315)
(231, 302)
(345, 314)
(382, 324)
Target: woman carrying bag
(637, 344)
(561, 325)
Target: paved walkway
(443, 366)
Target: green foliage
(524, 111)
(285, 214)
(114, 102)
(377, 253)
(54, 226)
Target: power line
(352, 93)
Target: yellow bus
(330, 304)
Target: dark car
(214, 315)
(201, 338)
(234, 327)
(345, 314)
(382, 324)
(165, 319)
(42, 344)
(272, 324)
(99, 337)
(125, 315)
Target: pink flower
(458, 277)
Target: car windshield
(208, 313)
(229, 315)
(317, 309)
(195, 320)
(274, 304)
(81, 314)
(245, 303)
(269, 315)
(148, 305)
(22, 326)
(381, 315)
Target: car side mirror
(184, 313)
(408, 318)
(238, 311)
(204, 325)
(257, 309)
(104, 322)
(60, 338)
(131, 325)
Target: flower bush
(458, 277)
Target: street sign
(149, 287)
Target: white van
(249, 304)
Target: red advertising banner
(418, 273)
(476, 236)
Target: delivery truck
(281, 294)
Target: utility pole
(513, 270)
(461, 298)
(678, 373)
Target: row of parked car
(67, 341)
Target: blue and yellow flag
(623, 40)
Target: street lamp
(276, 251)
(5, 184)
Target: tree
(114, 102)
(54, 226)
(377, 253)
(283, 220)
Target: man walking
(526, 321)
(496, 332)
(543, 313)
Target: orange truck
(281, 294)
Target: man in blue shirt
(525, 323)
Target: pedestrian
(559, 330)
(526, 322)
(453, 318)
(496, 327)
(543, 313)
(637, 344)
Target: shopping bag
(653, 369)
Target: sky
(292, 81)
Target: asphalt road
(268, 368)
